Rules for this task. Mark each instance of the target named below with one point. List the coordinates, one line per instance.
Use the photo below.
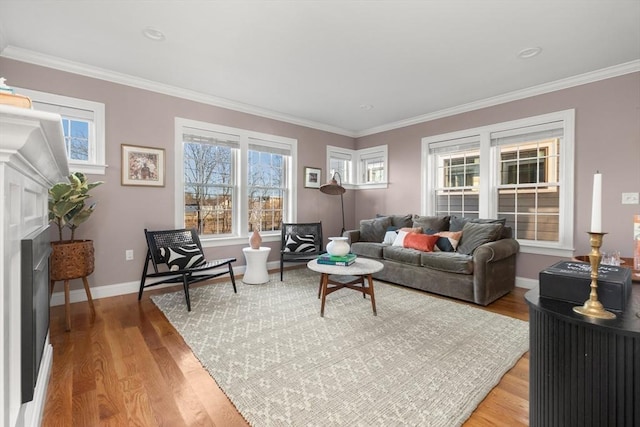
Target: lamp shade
(332, 187)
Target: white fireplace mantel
(32, 159)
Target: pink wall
(140, 117)
(607, 139)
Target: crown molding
(581, 79)
(25, 55)
(3, 40)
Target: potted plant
(71, 259)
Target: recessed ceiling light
(529, 52)
(366, 107)
(153, 34)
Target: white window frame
(489, 176)
(68, 107)
(240, 232)
(356, 178)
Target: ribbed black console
(583, 371)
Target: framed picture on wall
(312, 177)
(142, 166)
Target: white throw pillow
(390, 237)
(399, 241)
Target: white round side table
(256, 271)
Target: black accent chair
(159, 243)
(300, 243)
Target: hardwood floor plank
(163, 403)
(85, 409)
(110, 403)
(58, 404)
(136, 402)
(128, 366)
(186, 397)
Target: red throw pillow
(421, 242)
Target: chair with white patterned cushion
(177, 257)
(301, 242)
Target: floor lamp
(334, 188)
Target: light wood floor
(129, 367)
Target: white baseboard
(31, 412)
(523, 282)
(78, 295)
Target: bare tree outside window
(266, 186)
(208, 172)
(76, 138)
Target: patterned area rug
(421, 361)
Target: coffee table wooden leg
(325, 280)
(320, 286)
(373, 298)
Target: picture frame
(312, 177)
(142, 166)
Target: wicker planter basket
(71, 259)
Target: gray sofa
(480, 269)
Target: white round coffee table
(256, 271)
(347, 277)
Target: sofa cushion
(403, 255)
(373, 230)
(421, 242)
(448, 261)
(399, 221)
(456, 223)
(367, 249)
(436, 223)
(475, 234)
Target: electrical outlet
(629, 198)
(128, 254)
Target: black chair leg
(233, 279)
(144, 277)
(185, 284)
(281, 267)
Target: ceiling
(347, 66)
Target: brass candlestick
(592, 307)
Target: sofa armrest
(495, 251)
(494, 270)
(352, 236)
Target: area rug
(421, 361)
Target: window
(83, 127)
(366, 168)
(340, 160)
(372, 165)
(520, 170)
(223, 173)
(457, 183)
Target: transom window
(83, 126)
(521, 171)
(365, 168)
(226, 174)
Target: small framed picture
(142, 166)
(312, 177)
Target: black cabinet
(583, 371)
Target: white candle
(596, 205)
